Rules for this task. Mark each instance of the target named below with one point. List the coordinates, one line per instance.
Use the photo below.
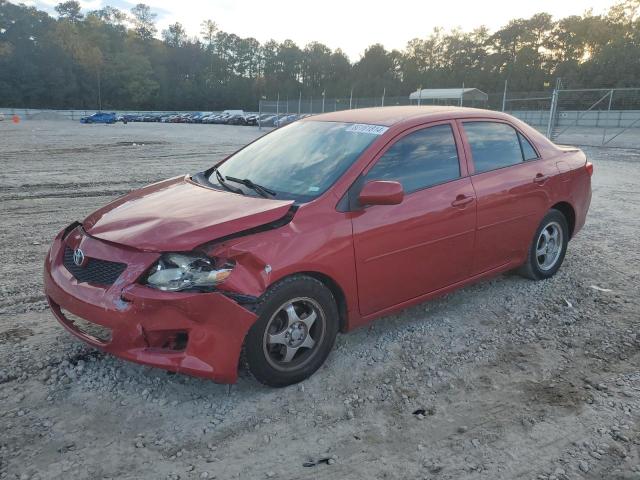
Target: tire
(540, 266)
(295, 331)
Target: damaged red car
(316, 228)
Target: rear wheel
(548, 247)
(295, 331)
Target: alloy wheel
(549, 246)
(293, 333)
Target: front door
(426, 242)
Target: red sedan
(317, 227)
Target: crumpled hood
(179, 215)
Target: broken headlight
(174, 272)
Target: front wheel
(548, 247)
(295, 331)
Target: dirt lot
(510, 378)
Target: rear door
(426, 242)
(512, 186)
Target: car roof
(389, 116)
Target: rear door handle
(461, 201)
(540, 178)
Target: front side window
(421, 159)
(493, 145)
(299, 161)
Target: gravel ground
(504, 379)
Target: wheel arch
(569, 214)
(334, 288)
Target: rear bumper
(144, 322)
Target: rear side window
(528, 152)
(421, 159)
(493, 145)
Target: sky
(350, 25)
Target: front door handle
(462, 200)
(540, 178)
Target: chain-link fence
(280, 108)
(280, 111)
(596, 117)
(533, 107)
(530, 107)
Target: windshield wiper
(264, 191)
(221, 181)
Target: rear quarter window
(493, 145)
(528, 152)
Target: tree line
(118, 59)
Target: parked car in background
(267, 120)
(222, 118)
(284, 120)
(230, 117)
(317, 227)
(131, 118)
(100, 117)
(197, 117)
(236, 119)
(251, 119)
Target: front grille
(100, 272)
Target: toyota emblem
(78, 257)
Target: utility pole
(604, 133)
(553, 110)
(99, 92)
(504, 96)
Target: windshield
(299, 161)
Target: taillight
(589, 167)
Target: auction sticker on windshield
(365, 128)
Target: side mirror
(381, 192)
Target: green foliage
(76, 60)
(69, 10)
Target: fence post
(350, 98)
(384, 91)
(604, 132)
(323, 92)
(419, 94)
(552, 113)
(300, 103)
(278, 108)
(259, 115)
(504, 96)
